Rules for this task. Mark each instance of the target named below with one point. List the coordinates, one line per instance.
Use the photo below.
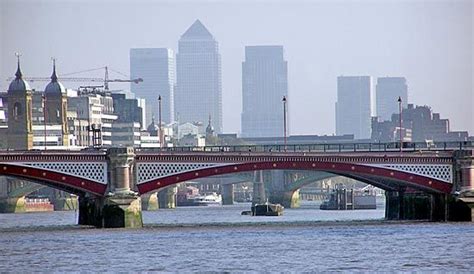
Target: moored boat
(267, 209)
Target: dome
(54, 87)
(153, 128)
(18, 84)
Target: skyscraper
(199, 89)
(156, 66)
(264, 83)
(387, 92)
(353, 112)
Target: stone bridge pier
(258, 188)
(408, 204)
(278, 191)
(120, 207)
(227, 194)
(10, 203)
(461, 206)
(167, 197)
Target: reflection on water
(220, 239)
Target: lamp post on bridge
(159, 125)
(44, 118)
(400, 120)
(284, 121)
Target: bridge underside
(384, 178)
(65, 182)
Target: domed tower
(209, 128)
(20, 109)
(56, 105)
(152, 127)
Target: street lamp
(400, 120)
(159, 118)
(284, 121)
(44, 118)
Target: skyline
(313, 64)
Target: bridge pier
(259, 196)
(462, 206)
(110, 212)
(288, 199)
(402, 205)
(150, 201)
(12, 204)
(279, 193)
(65, 203)
(90, 211)
(227, 194)
(167, 197)
(121, 207)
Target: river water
(219, 239)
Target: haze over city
(429, 43)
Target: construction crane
(104, 80)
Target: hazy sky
(428, 42)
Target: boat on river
(210, 199)
(267, 209)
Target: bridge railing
(340, 147)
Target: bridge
(109, 182)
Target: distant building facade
(353, 106)
(199, 88)
(97, 109)
(421, 124)
(156, 66)
(388, 90)
(264, 83)
(128, 110)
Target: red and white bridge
(446, 168)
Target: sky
(428, 42)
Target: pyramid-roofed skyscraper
(199, 87)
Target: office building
(156, 66)
(353, 106)
(388, 90)
(198, 91)
(264, 83)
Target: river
(219, 239)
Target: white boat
(207, 199)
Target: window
(17, 111)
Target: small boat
(267, 209)
(191, 197)
(208, 199)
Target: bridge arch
(66, 182)
(369, 174)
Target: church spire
(18, 73)
(54, 77)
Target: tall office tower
(353, 111)
(388, 90)
(156, 66)
(264, 83)
(199, 89)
